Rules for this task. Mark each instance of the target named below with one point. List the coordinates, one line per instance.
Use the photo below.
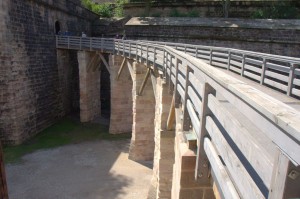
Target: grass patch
(66, 131)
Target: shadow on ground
(90, 170)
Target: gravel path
(91, 170)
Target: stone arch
(57, 27)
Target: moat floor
(90, 170)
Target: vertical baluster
(129, 50)
(291, 79)
(263, 71)
(210, 56)
(154, 59)
(68, 42)
(123, 48)
(147, 55)
(243, 65)
(229, 59)
(80, 43)
(196, 53)
(91, 44)
(177, 96)
(136, 52)
(118, 47)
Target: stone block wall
(268, 36)
(184, 185)
(164, 142)
(31, 95)
(121, 97)
(89, 86)
(142, 141)
(203, 8)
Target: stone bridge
(218, 122)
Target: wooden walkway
(244, 110)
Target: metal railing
(256, 136)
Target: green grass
(66, 131)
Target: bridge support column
(89, 86)
(121, 97)
(142, 141)
(184, 183)
(164, 143)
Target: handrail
(196, 85)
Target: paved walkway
(91, 170)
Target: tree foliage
(105, 9)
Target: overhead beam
(104, 61)
(121, 68)
(144, 81)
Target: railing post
(80, 43)
(186, 122)
(184, 48)
(147, 54)
(202, 170)
(196, 53)
(90, 43)
(210, 56)
(243, 65)
(56, 41)
(102, 44)
(123, 48)
(229, 59)
(263, 71)
(129, 50)
(136, 52)
(177, 97)
(154, 58)
(291, 79)
(118, 47)
(68, 42)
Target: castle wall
(31, 93)
(268, 36)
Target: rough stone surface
(203, 8)
(268, 36)
(142, 141)
(89, 86)
(121, 97)
(164, 142)
(31, 95)
(91, 170)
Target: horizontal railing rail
(247, 128)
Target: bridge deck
(290, 101)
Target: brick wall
(31, 83)
(280, 37)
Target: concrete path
(91, 170)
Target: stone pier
(121, 97)
(164, 142)
(89, 85)
(184, 185)
(142, 141)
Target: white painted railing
(256, 136)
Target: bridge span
(231, 115)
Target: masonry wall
(201, 8)
(280, 37)
(31, 93)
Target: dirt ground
(90, 170)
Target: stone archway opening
(57, 27)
